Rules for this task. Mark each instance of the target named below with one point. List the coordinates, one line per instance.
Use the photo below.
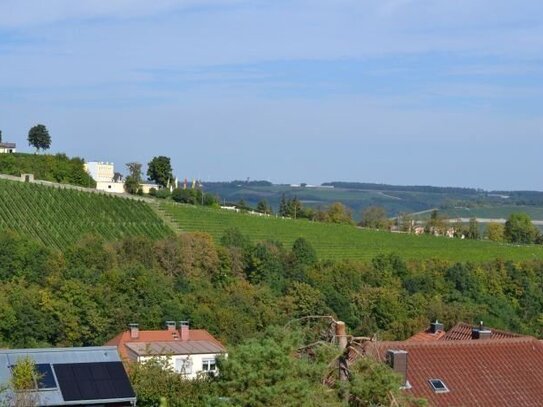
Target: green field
(343, 241)
(59, 217)
(498, 212)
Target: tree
(0, 136)
(495, 231)
(132, 182)
(520, 229)
(374, 217)
(160, 170)
(39, 138)
(339, 213)
(264, 207)
(473, 229)
(303, 252)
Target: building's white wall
(197, 361)
(116, 187)
(100, 172)
(147, 187)
(7, 150)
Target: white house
(104, 175)
(8, 148)
(190, 352)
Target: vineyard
(59, 217)
(342, 241)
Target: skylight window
(438, 386)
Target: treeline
(404, 188)
(55, 168)
(90, 292)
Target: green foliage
(132, 182)
(520, 229)
(342, 242)
(335, 213)
(374, 217)
(264, 373)
(264, 207)
(157, 385)
(60, 217)
(303, 252)
(495, 232)
(159, 170)
(55, 168)
(39, 138)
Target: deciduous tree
(39, 138)
(160, 170)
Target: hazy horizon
(403, 92)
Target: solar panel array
(93, 381)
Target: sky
(413, 92)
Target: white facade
(100, 171)
(190, 366)
(7, 148)
(103, 173)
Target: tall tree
(132, 182)
(264, 207)
(495, 231)
(520, 229)
(160, 170)
(39, 138)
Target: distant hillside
(55, 168)
(394, 198)
(59, 217)
(342, 242)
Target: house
(8, 148)
(89, 376)
(104, 175)
(188, 351)
(466, 366)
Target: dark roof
(7, 145)
(506, 372)
(82, 376)
(462, 331)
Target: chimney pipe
(341, 334)
(184, 330)
(134, 331)
(481, 332)
(397, 360)
(436, 327)
(170, 325)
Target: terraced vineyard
(58, 217)
(343, 241)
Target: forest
(240, 291)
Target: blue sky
(393, 91)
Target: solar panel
(46, 377)
(93, 381)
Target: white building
(190, 352)
(103, 173)
(8, 148)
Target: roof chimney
(134, 331)
(341, 334)
(481, 332)
(170, 325)
(397, 360)
(184, 330)
(436, 327)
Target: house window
(183, 366)
(209, 365)
(438, 386)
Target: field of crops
(498, 212)
(58, 217)
(343, 241)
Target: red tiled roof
(426, 336)
(462, 331)
(162, 336)
(506, 372)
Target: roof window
(438, 386)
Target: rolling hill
(338, 242)
(58, 217)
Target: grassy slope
(502, 212)
(343, 241)
(59, 217)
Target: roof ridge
(460, 343)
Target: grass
(344, 241)
(60, 217)
(498, 212)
